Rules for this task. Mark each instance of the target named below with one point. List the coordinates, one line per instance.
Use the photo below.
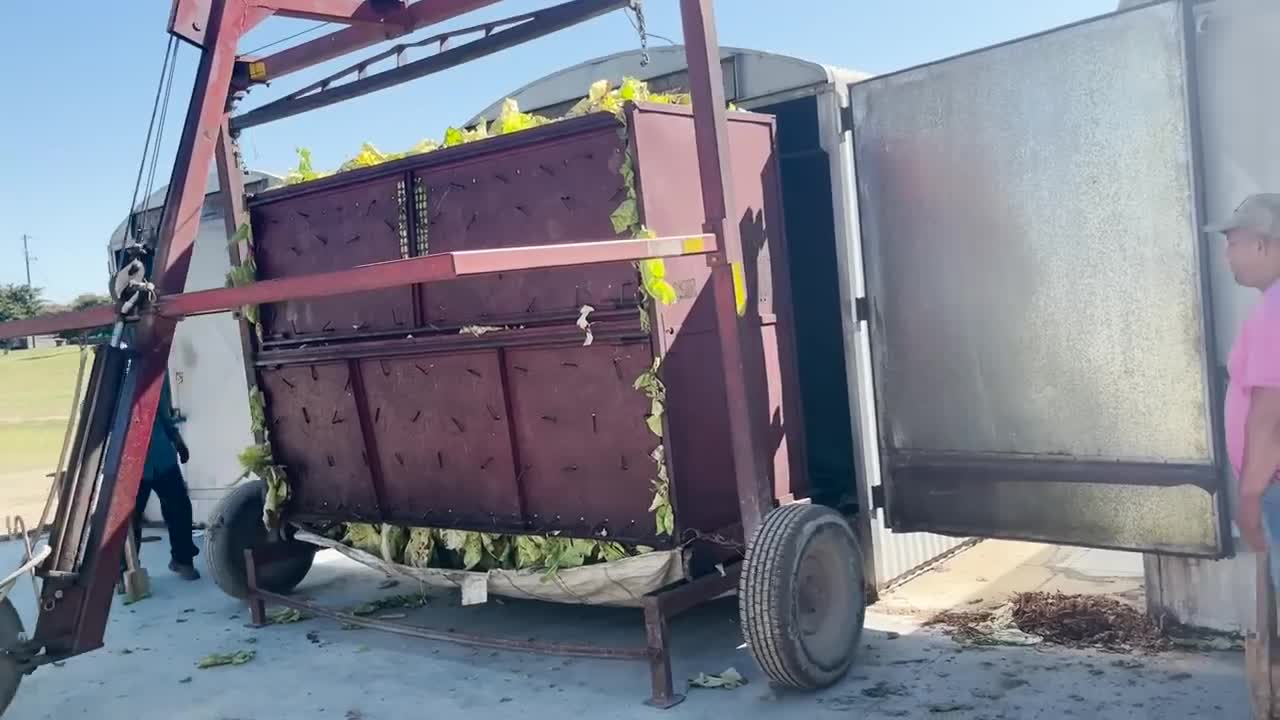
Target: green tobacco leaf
(239, 657)
(391, 602)
(453, 137)
(664, 520)
(363, 536)
(258, 413)
(420, 550)
(392, 544)
(625, 216)
(598, 91)
(510, 119)
(655, 424)
(243, 234)
(304, 172)
(611, 551)
(472, 553)
(531, 551)
(286, 616)
(653, 278)
(727, 680)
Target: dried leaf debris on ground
(1078, 621)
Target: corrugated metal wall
(897, 554)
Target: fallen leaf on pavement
(727, 680)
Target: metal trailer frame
(90, 531)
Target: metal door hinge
(877, 497)
(846, 118)
(861, 309)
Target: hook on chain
(637, 7)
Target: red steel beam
(425, 269)
(49, 324)
(190, 18)
(154, 336)
(378, 276)
(711, 133)
(336, 44)
(347, 11)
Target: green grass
(37, 384)
(31, 445)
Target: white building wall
(206, 370)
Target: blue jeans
(1271, 525)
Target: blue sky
(79, 79)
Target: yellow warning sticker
(693, 245)
(257, 70)
(739, 288)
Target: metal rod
(465, 639)
(738, 335)
(47, 324)
(397, 51)
(548, 21)
(377, 276)
(351, 39)
(657, 633)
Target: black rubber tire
(236, 526)
(11, 633)
(801, 595)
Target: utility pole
(26, 257)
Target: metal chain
(690, 536)
(637, 7)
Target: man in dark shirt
(163, 475)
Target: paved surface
(985, 575)
(315, 670)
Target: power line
(298, 34)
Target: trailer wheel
(11, 634)
(236, 526)
(801, 596)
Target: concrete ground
(315, 669)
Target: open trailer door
(1037, 290)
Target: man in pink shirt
(1253, 396)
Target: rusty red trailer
(724, 344)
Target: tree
(19, 302)
(85, 301)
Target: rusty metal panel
(527, 429)
(703, 491)
(584, 447)
(560, 191)
(315, 434)
(336, 229)
(705, 494)
(444, 444)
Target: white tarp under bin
(620, 583)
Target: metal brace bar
(378, 276)
(548, 21)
